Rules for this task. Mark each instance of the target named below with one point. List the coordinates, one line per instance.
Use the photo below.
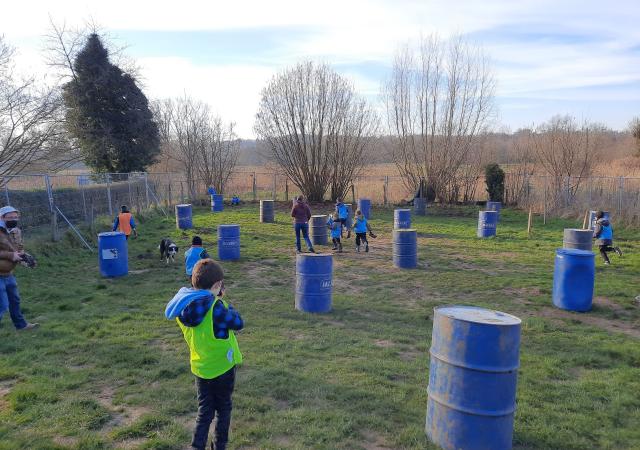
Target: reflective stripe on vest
(124, 223)
(210, 357)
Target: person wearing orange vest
(124, 222)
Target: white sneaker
(607, 263)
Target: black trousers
(361, 237)
(214, 400)
(604, 249)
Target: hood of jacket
(182, 299)
(604, 222)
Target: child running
(194, 254)
(361, 226)
(335, 226)
(343, 216)
(603, 234)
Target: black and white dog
(168, 250)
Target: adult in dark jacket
(603, 234)
(301, 214)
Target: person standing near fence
(603, 234)
(9, 257)
(124, 222)
(301, 214)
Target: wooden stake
(584, 222)
(529, 222)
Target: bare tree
(31, 128)
(634, 128)
(316, 128)
(567, 151)
(205, 148)
(439, 100)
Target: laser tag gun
(28, 261)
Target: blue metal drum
(573, 279)
(494, 206)
(318, 230)
(420, 206)
(487, 223)
(228, 242)
(314, 282)
(217, 203)
(267, 211)
(112, 254)
(401, 219)
(592, 218)
(473, 375)
(405, 248)
(183, 217)
(577, 238)
(364, 205)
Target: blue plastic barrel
(183, 217)
(573, 279)
(228, 242)
(318, 230)
(314, 282)
(420, 206)
(494, 206)
(217, 203)
(364, 205)
(487, 223)
(405, 248)
(592, 218)
(112, 254)
(402, 219)
(473, 375)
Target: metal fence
(62, 201)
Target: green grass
(106, 370)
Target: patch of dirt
(130, 444)
(139, 271)
(122, 415)
(282, 441)
(409, 355)
(520, 295)
(5, 389)
(606, 303)
(65, 441)
(614, 326)
(433, 235)
(384, 343)
(374, 441)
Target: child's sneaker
(606, 263)
(339, 248)
(311, 250)
(334, 247)
(358, 248)
(618, 251)
(366, 249)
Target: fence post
(109, 194)
(54, 216)
(353, 196)
(130, 196)
(620, 195)
(6, 190)
(146, 188)
(385, 190)
(544, 206)
(84, 204)
(274, 194)
(181, 193)
(254, 188)
(286, 189)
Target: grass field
(106, 370)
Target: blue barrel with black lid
(401, 219)
(314, 282)
(473, 375)
(573, 279)
(228, 242)
(420, 206)
(217, 202)
(364, 205)
(184, 217)
(113, 258)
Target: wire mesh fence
(62, 201)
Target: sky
(549, 57)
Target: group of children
(339, 220)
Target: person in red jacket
(301, 214)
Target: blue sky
(550, 57)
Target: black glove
(372, 235)
(28, 261)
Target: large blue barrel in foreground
(113, 256)
(592, 218)
(314, 282)
(364, 205)
(217, 203)
(267, 211)
(472, 378)
(494, 206)
(318, 230)
(183, 217)
(401, 219)
(405, 248)
(573, 279)
(228, 242)
(420, 206)
(487, 223)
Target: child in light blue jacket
(194, 254)
(335, 225)
(361, 226)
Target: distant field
(106, 370)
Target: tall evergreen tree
(108, 114)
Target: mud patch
(121, 415)
(138, 271)
(5, 389)
(374, 441)
(384, 343)
(65, 441)
(614, 326)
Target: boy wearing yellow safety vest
(124, 222)
(207, 323)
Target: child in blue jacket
(603, 234)
(194, 254)
(335, 226)
(361, 226)
(343, 216)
